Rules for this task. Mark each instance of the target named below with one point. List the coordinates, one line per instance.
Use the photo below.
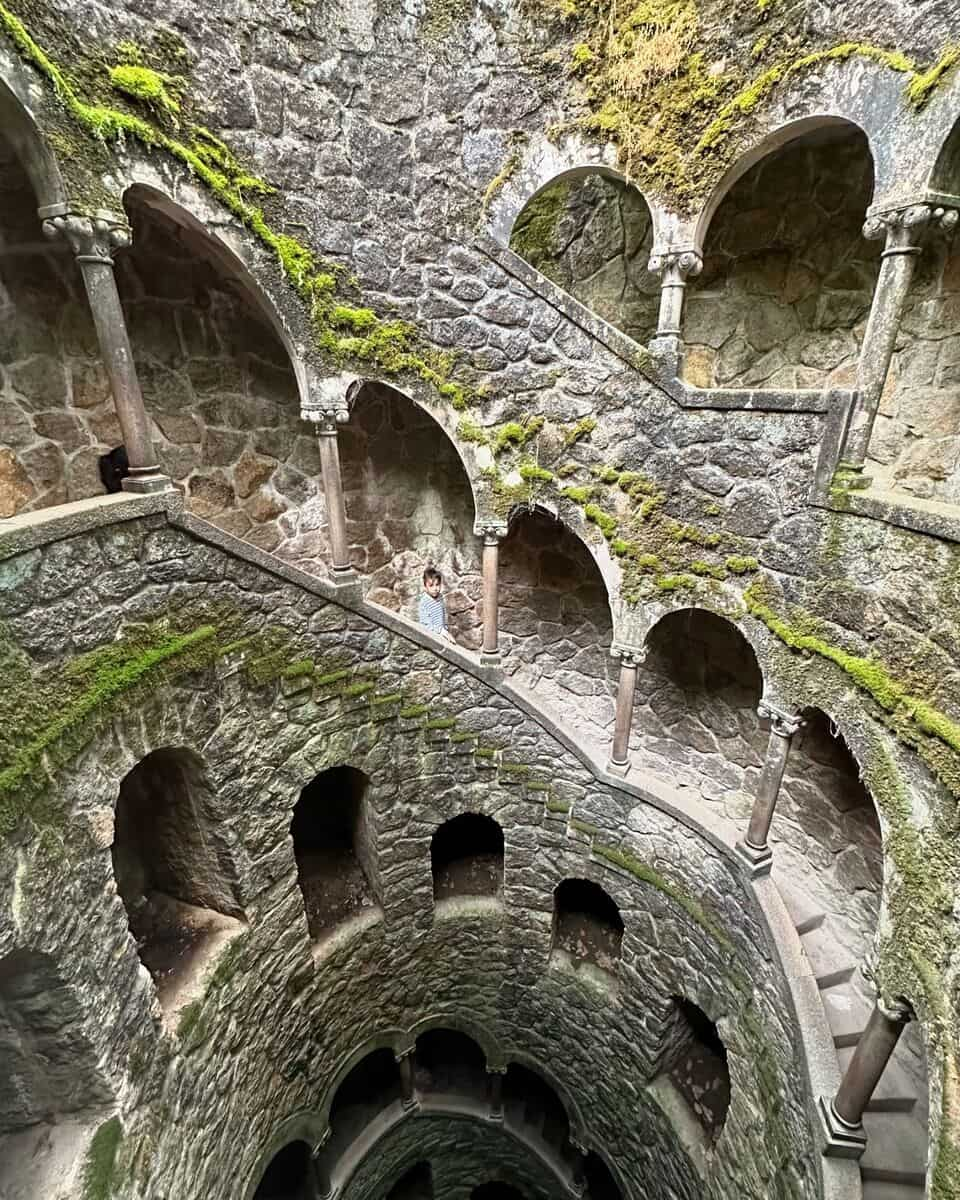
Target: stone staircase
(895, 1162)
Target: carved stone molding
(629, 656)
(684, 262)
(92, 238)
(783, 724)
(910, 222)
(492, 532)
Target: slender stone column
(903, 230)
(753, 848)
(93, 240)
(408, 1095)
(340, 564)
(492, 535)
(619, 762)
(843, 1116)
(320, 1164)
(495, 1091)
(674, 267)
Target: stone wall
(489, 966)
(787, 276)
(915, 445)
(56, 411)
(555, 621)
(592, 235)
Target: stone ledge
(907, 512)
(30, 530)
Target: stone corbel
(331, 399)
(904, 228)
(492, 532)
(784, 724)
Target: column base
(759, 861)
(143, 484)
(618, 769)
(491, 659)
(346, 579)
(841, 1140)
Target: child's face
(432, 587)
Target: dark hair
(430, 574)
(114, 468)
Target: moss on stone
(577, 432)
(533, 473)
(534, 233)
(514, 435)
(440, 723)
(153, 88)
(331, 677)
(414, 711)
(511, 164)
(100, 1163)
(470, 431)
(923, 84)
(741, 564)
(301, 669)
(357, 689)
(647, 874)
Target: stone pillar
(753, 848)
(674, 268)
(843, 1116)
(495, 1091)
(321, 1169)
(408, 1095)
(578, 1172)
(619, 762)
(492, 535)
(326, 421)
(93, 240)
(903, 230)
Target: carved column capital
(629, 656)
(492, 532)
(326, 419)
(92, 238)
(684, 263)
(904, 228)
(783, 724)
(897, 1010)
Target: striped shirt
(433, 613)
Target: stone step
(804, 912)
(894, 1093)
(878, 1189)
(896, 1149)
(847, 1012)
(829, 960)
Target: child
(433, 611)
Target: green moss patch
(99, 1166)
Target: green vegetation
(100, 1163)
(510, 164)
(515, 434)
(575, 433)
(413, 711)
(441, 723)
(153, 88)
(672, 82)
(531, 472)
(534, 235)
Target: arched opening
(600, 1182)
(288, 1175)
(696, 1063)
(450, 1063)
(530, 1103)
(370, 1087)
(409, 505)
(466, 854)
(56, 412)
(334, 847)
(587, 926)
(219, 386)
(172, 871)
(496, 1189)
(592, 235)
(915, 441)
(697, 694)
(555, 612)
(787, 276)
(415, 1184)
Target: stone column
(326, 421)
(93, 240)
(492, 535)
(408, 1095)
(753, 848)
(843, 1116)
(495, 1091)
(674, 268)
(619, 761)
(903, 230)
(321, 1168)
